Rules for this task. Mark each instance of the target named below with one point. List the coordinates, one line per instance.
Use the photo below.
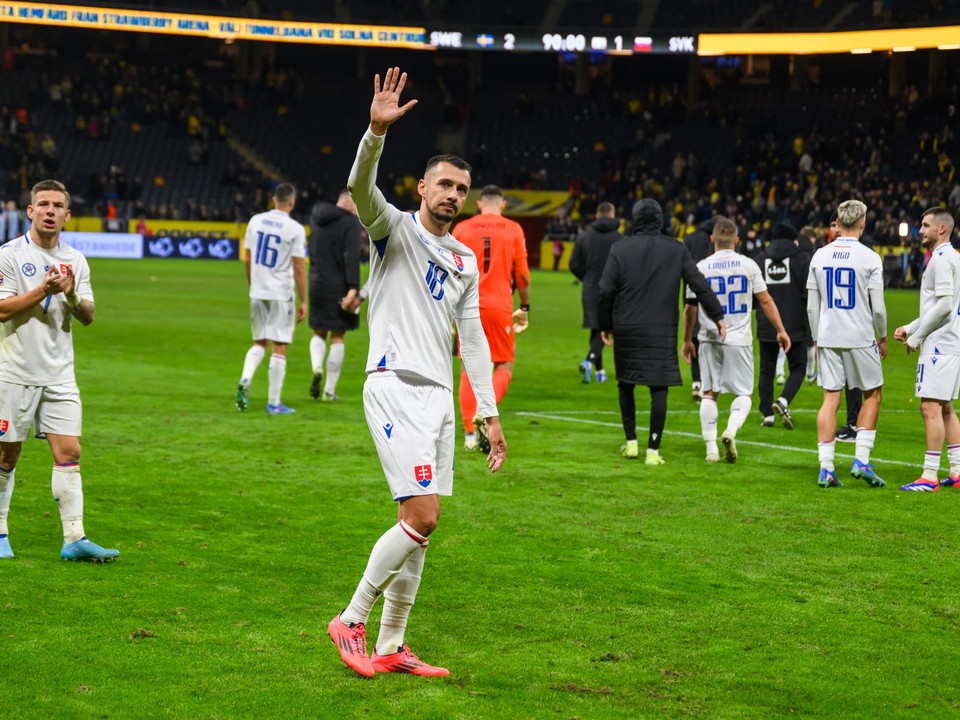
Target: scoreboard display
(560, 42)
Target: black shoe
(847, 434)
(315, 385)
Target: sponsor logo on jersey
(4, 426)
(458, 260)
(29, 269)
(388, 430)
(423, 474)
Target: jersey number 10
(266, 251)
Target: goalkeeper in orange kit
(501, 250)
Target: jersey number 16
(266, 250)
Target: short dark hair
(53, 185)
(941, 214)
(491, 191)
(455, 160)
(284, 192)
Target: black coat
(640, 299)
(784, 266)
(698, 242)
(587, 261)
(335, 237)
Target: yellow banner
(522, 203)
(213, 26)
(857, 42)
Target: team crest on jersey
(423, 474)
(4, 426)
(458, 260)
(29, 269)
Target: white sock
(7, 482)
(398, 598)
(334, 363)
(388, 556)
(953, 457)
(811, 361)
(250, 364)
(825, 451)
(275, 374)
(68, 492)
(865, 440)
(931, 465)
(708, 422)
(318, 348)
(739, 412)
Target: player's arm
(813, 310)
(475, 355)
(769, 308)
(300, 281)
(521, 279)
(80, 307)
(879, 319)
(689, 350)
(698, 285)
(13, 305)
(609, 281)
(385, 109)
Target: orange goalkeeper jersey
(501, 251)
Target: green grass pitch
(573, 584)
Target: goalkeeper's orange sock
(501, 383)
(468, 403)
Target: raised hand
(385, 108)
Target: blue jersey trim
(381, 246)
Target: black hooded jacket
(698, 242)
(587, 261)
(335, 237)
(784, 266)
(640, 299)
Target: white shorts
(726, 368)
(272, 320)
(413, 427)
(56, 408)
(938, 377)
(851, 367)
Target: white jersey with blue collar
(272, 240)
(734, 279)
(942, 279)
(36, 346)
(419, 282)
(843, 273)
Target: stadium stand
(204, 132)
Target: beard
(443, 213)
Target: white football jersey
(273, 239)
(36, 346)
(734, 279)
(942, 279)
(844, 272)
(419, 283)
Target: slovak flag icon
(4, 426)
(423, 474)
(458, 260)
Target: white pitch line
(568, 418)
